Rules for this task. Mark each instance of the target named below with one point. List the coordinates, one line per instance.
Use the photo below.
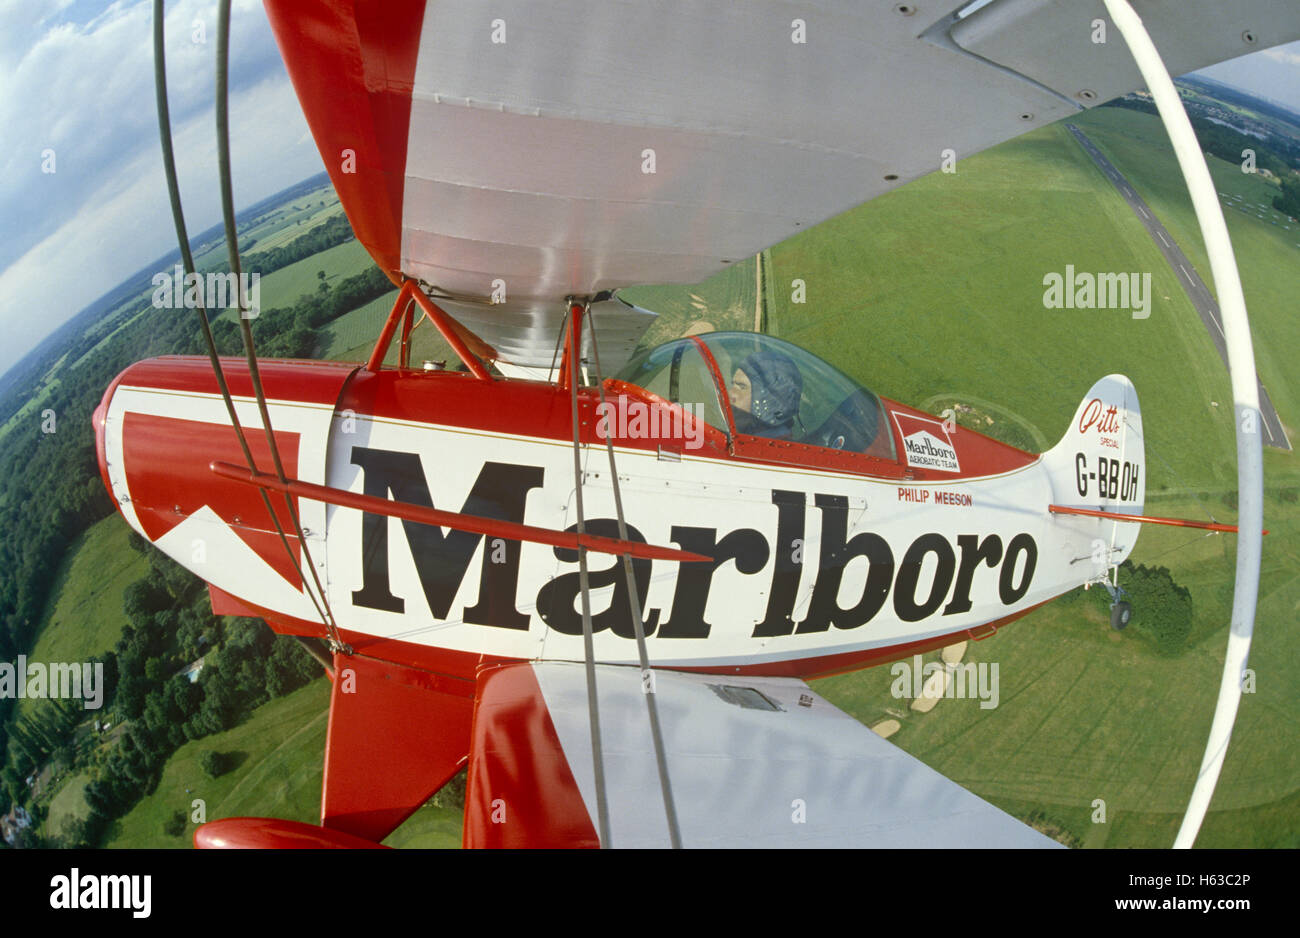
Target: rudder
(1100, 464)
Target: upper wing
(760, 762)
(568, 148)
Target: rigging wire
(588, 645)
(1181, 546)
(638, 623)
(232, 247)
(187, 259)
(1172, 471)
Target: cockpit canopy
(757, 385)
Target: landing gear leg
(1120, 611)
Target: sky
(76, 78)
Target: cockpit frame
(877, 458)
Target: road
(1197, 292)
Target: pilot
(765, 393)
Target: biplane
(599, 576)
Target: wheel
(1120, 613)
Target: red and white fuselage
(823, 561)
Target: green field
(287, 285)
(278, 773)
(308, 215)
(31, 410)
(54, 369)
(1086, 713)
(1267, 256)
(430, 827)
(352, 336)
(139, 304)
(68, 803)
(109, 321)
(280, 288)
(85, 618)
(285, 222)
(725, 301)
(273, 228)
(280, 751)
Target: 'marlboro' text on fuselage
(442, 560)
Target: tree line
(1273, 153)
(50, 487)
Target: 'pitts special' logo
(926, 444)
(1104, 420)
(840, 599)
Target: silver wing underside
(643, 141)
(759, 762)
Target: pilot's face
(741, 392)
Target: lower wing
(753, 762)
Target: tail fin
(1100, 464)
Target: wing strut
(1144, 519)
(634, 600)
(182, 238)
(1241, 367)
(474, 524)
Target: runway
(1197, 292)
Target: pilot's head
(767, 385)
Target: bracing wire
(555, 357)
(178, 217)
(588, 645)
(232, 247)
(1182, 546)
(638, 623)
(182, 237)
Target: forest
(51, 491)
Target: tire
(1120, 613)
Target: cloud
(84, 90)
(1287, 55)
(1271, 73)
